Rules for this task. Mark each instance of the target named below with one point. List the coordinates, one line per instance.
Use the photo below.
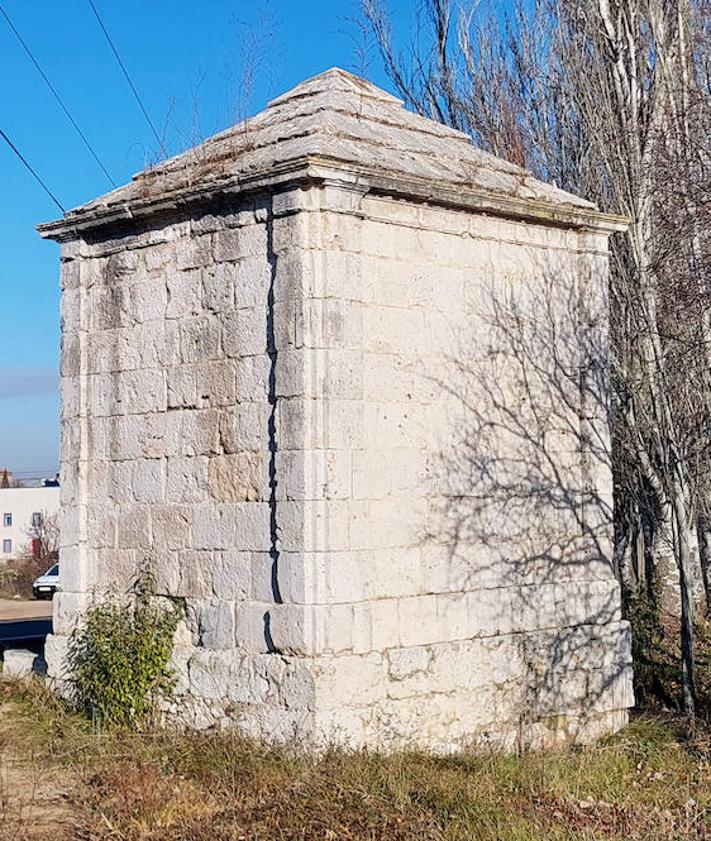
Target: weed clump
(119, 659)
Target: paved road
(18, 609)
(24, 624)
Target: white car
(45, 586)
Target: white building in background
(21, 510)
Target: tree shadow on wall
(523, 516)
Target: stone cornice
(316, 170)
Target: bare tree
(610, 99)
(44, 539)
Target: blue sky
(187, 60)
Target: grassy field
(60, 780)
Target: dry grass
(650, 782)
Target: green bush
(119, 659)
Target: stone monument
(337, 377)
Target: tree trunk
(683, 555)
(703, 534)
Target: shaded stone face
(361, 433)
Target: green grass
(649, 782)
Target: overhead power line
(128, 78)
(31, 170)
(56, 95)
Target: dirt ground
(14, 609)
(34, 799)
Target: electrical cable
(56, 95)
(32, 171)
(128, 78)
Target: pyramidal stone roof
(334, 120)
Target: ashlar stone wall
(363, 438)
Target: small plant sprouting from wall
(119, 658)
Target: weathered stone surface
(293, 395)
(237, 477)
(20, 663)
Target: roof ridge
(335, 78)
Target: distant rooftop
(25, 481)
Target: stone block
(214, 526)
(384, 624)
(187, 479)
(171, 526)
(148, 300)
(109, 308)
(102, 525)
(203, 385)
(385, 523)
(252, 381)
(165, 567)
(140, 392)
(237, 243)
(184, 293)
(491, 611)
(290, 201)
(378, 473)
(114, 570)
(245, 332)
(55, 652)
(196, 573)
(320, 323)
(333, 628)
(418, 620)
(297, 688)
(348, 681)
(287, 630)
(134, 528)
(200, 432)
(195, 253)
(252, 280)
(69, 273)
(265, 582)
(257, 680)
(200, 339)
(71, 354)
(336, 424)
(253, 624)
(218, 294)
(18, 663)
(314, 474)
(339, 576)
(67, 609)
(232, 575)
(319, 525)
(216, 622)
(210, 673)
(245, 428)
(237, 477)
(252, 526)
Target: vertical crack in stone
(271, 430)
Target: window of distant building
(7, 519)
(7, 547)
(37, 519)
